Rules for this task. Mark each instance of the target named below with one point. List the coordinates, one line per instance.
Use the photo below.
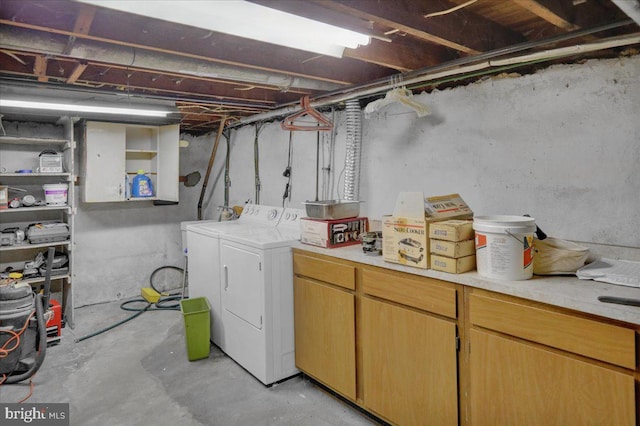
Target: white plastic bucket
(504, 246)
(55, 193)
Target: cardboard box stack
(452, 246)
(405, 234)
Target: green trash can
(197, 327)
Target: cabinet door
(168, 163)
(409, 365)
(325, 334)
(104, 162)
(515, 383)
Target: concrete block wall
(562, 145)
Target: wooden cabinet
(113, 150)
(534, 366)
(414, 350)
(324, 313)
(409, 356)
(386, 341)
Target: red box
(332, 233)
(56, 319)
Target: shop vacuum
(23, 332)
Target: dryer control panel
(261, 214)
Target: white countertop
(564, 291)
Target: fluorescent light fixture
(55, 106)
(245, 19)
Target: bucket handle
(518, 239)
(514, 237)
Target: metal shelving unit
(18, 153)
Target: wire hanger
(320, 123)
(398, 94)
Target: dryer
(203, 255)
(257, 297)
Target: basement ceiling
(212, 76)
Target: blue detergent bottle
(141, 186)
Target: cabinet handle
(119, 189)
(226, 277)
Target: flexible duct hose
(352, 158)
(42, 344)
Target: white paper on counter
(622, 272)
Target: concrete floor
(139, 374)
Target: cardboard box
(453, 266)
(447, 206)
(452, 230)
(332, 233)
(454, 249)
(405, 234)
(404, 241)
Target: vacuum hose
(42, 344)
(353, 146)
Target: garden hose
(165, 303)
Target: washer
(204, 257)
(257, 297)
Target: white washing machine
(257, 297)
(204, 258)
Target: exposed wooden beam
(550, 11)
(383, 50)
(77, 72)
(446, 30)
(168, 51)
(383, 14)
(398, 55)
(40, 68)
(86, 13)
(322, 14)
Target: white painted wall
(562, 145)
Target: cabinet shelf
(64, 175)
(29, 246)
(38, 280)
(148, 152)
(34, 209)
(16, 140)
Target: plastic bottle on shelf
(141, 186)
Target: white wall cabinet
(113, 150)
(19, 162)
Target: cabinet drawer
(422, 293)
(324, 270)
(605, 342)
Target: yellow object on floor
(150, 295)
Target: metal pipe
(430, 73)
(227, 166)
(256, 162)
(210, 166)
